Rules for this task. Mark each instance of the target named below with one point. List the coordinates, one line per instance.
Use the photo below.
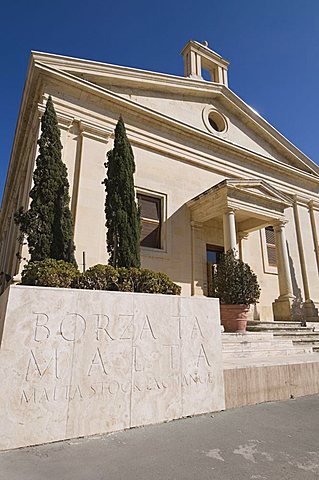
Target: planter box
(80, 362)
(234, 317)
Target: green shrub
(106, 277)
(98, 277)
(146, 281)
(49, 273)
(57, 273)
(234, 282)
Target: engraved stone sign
(79, 362)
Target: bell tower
(198, 56)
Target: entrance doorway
(213, 253)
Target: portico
(244, 206)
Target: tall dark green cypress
(121, 210)
(48, 225)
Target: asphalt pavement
(278, 440)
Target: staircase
(269, 343)
(271, 361)
(299, 335)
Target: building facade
(211, 174)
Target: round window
(214, 121)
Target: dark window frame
(151, 228)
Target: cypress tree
(48, 225)
(121, 210)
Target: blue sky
(273, 47)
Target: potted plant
(236, 286)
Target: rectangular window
(271, 246)
(151, 220)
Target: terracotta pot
(234, 317)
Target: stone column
(78, 131)
(311, 206)
(197, 259)
(310, 312)
(283, 305)
(242, 236)
(193, 65)
(229, 227)
(220, 75)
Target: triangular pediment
(252, 198)
(258, 188)
(183, 101)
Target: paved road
(264, 442)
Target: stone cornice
(64, 121)
(313, 205)
(87, 129)
(135, 108)
(252, 188)
(27, 114)
(159, 81)
(96, 132)
(306, 201)
(176, 150)
(206, 52)
(301, 199)
(159, 144)
(124, 75)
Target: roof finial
(205, 43)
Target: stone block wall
(77, 362)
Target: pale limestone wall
(175, 164)
(77, 363)
(191, 112)
(268, 278)
(182, 182)
(252, 254)
(310, 258)
(89, 215)
(85, 155)
(252, 385)
(69, 140)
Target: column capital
(243, 235)
(313, 205)
(280, 224)
(229, 210)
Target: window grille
(271, 246)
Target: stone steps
(295, 336)
(273, 360)
(299, 335)
(263, 353)
(277, 327)
(262, 345)
(240, 345)
(274, 325)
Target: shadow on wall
(298, 301)
(4, 281)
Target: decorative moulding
(234, 102)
